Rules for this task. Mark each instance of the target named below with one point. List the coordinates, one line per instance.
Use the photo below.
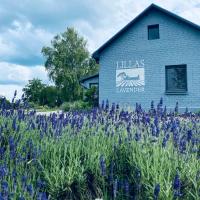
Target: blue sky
(28, 25)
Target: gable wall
(178, 44)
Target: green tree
(50, 96)
(67, 60)
(33, 90)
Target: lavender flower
(156, 191)
(152, 105)
(102, 166)
(126, 187)
(137, 136)
(29, 189)
(176, 108)
(177, 185)
(115, 188)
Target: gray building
(156, 55)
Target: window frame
(184, 91)
(153, 26)
(94, 85)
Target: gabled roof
(96, 54)
(88, 77)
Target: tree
(50, 96)
(33, 90)
(67, 60)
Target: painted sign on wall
(130, 76)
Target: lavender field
(104, 153)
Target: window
(176, 78)
(153, 32)
(93, 85)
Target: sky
(28, 25)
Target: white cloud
(8, 91)
(23, 41)
(114, 15)
(14, 76)
(27, 26)
(12, 72)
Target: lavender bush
(103, 153)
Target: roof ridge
(95, 55)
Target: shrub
(92, 97)
(76, 105)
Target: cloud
(9, 90)
(15, 77)
(27, 26)
(19, 74)
(21, 43)
(114, 15)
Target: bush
(92, 97)
(76, 105)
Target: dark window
(153, 32)
(176, 78)
(93, 85)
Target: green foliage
(50, 96)
(76, 105)
(39, 94)
(67, 60)
(33, 90)
(91, 96)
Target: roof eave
(97, 53)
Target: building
(156, 55)
(90, 81)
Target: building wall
(178, 44)
(91, 80)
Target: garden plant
(105, 152)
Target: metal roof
(96, 54)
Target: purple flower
(14, 174)
(42, 196)
(2, 152)
(24, 181)
(189, 135)
(126, 187)
(176, 108)
(102, 166)
(111, 172)
(29, 189)
(156, 191)
(102, 105)
(115, 188)
(182, 145)
(107, 105)
(161, 102)
(137, 136)
(40, 184)
(152, 105)
(14, 125)
(3, 171)
(177, 185)
(4, 186)
(165, 139)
